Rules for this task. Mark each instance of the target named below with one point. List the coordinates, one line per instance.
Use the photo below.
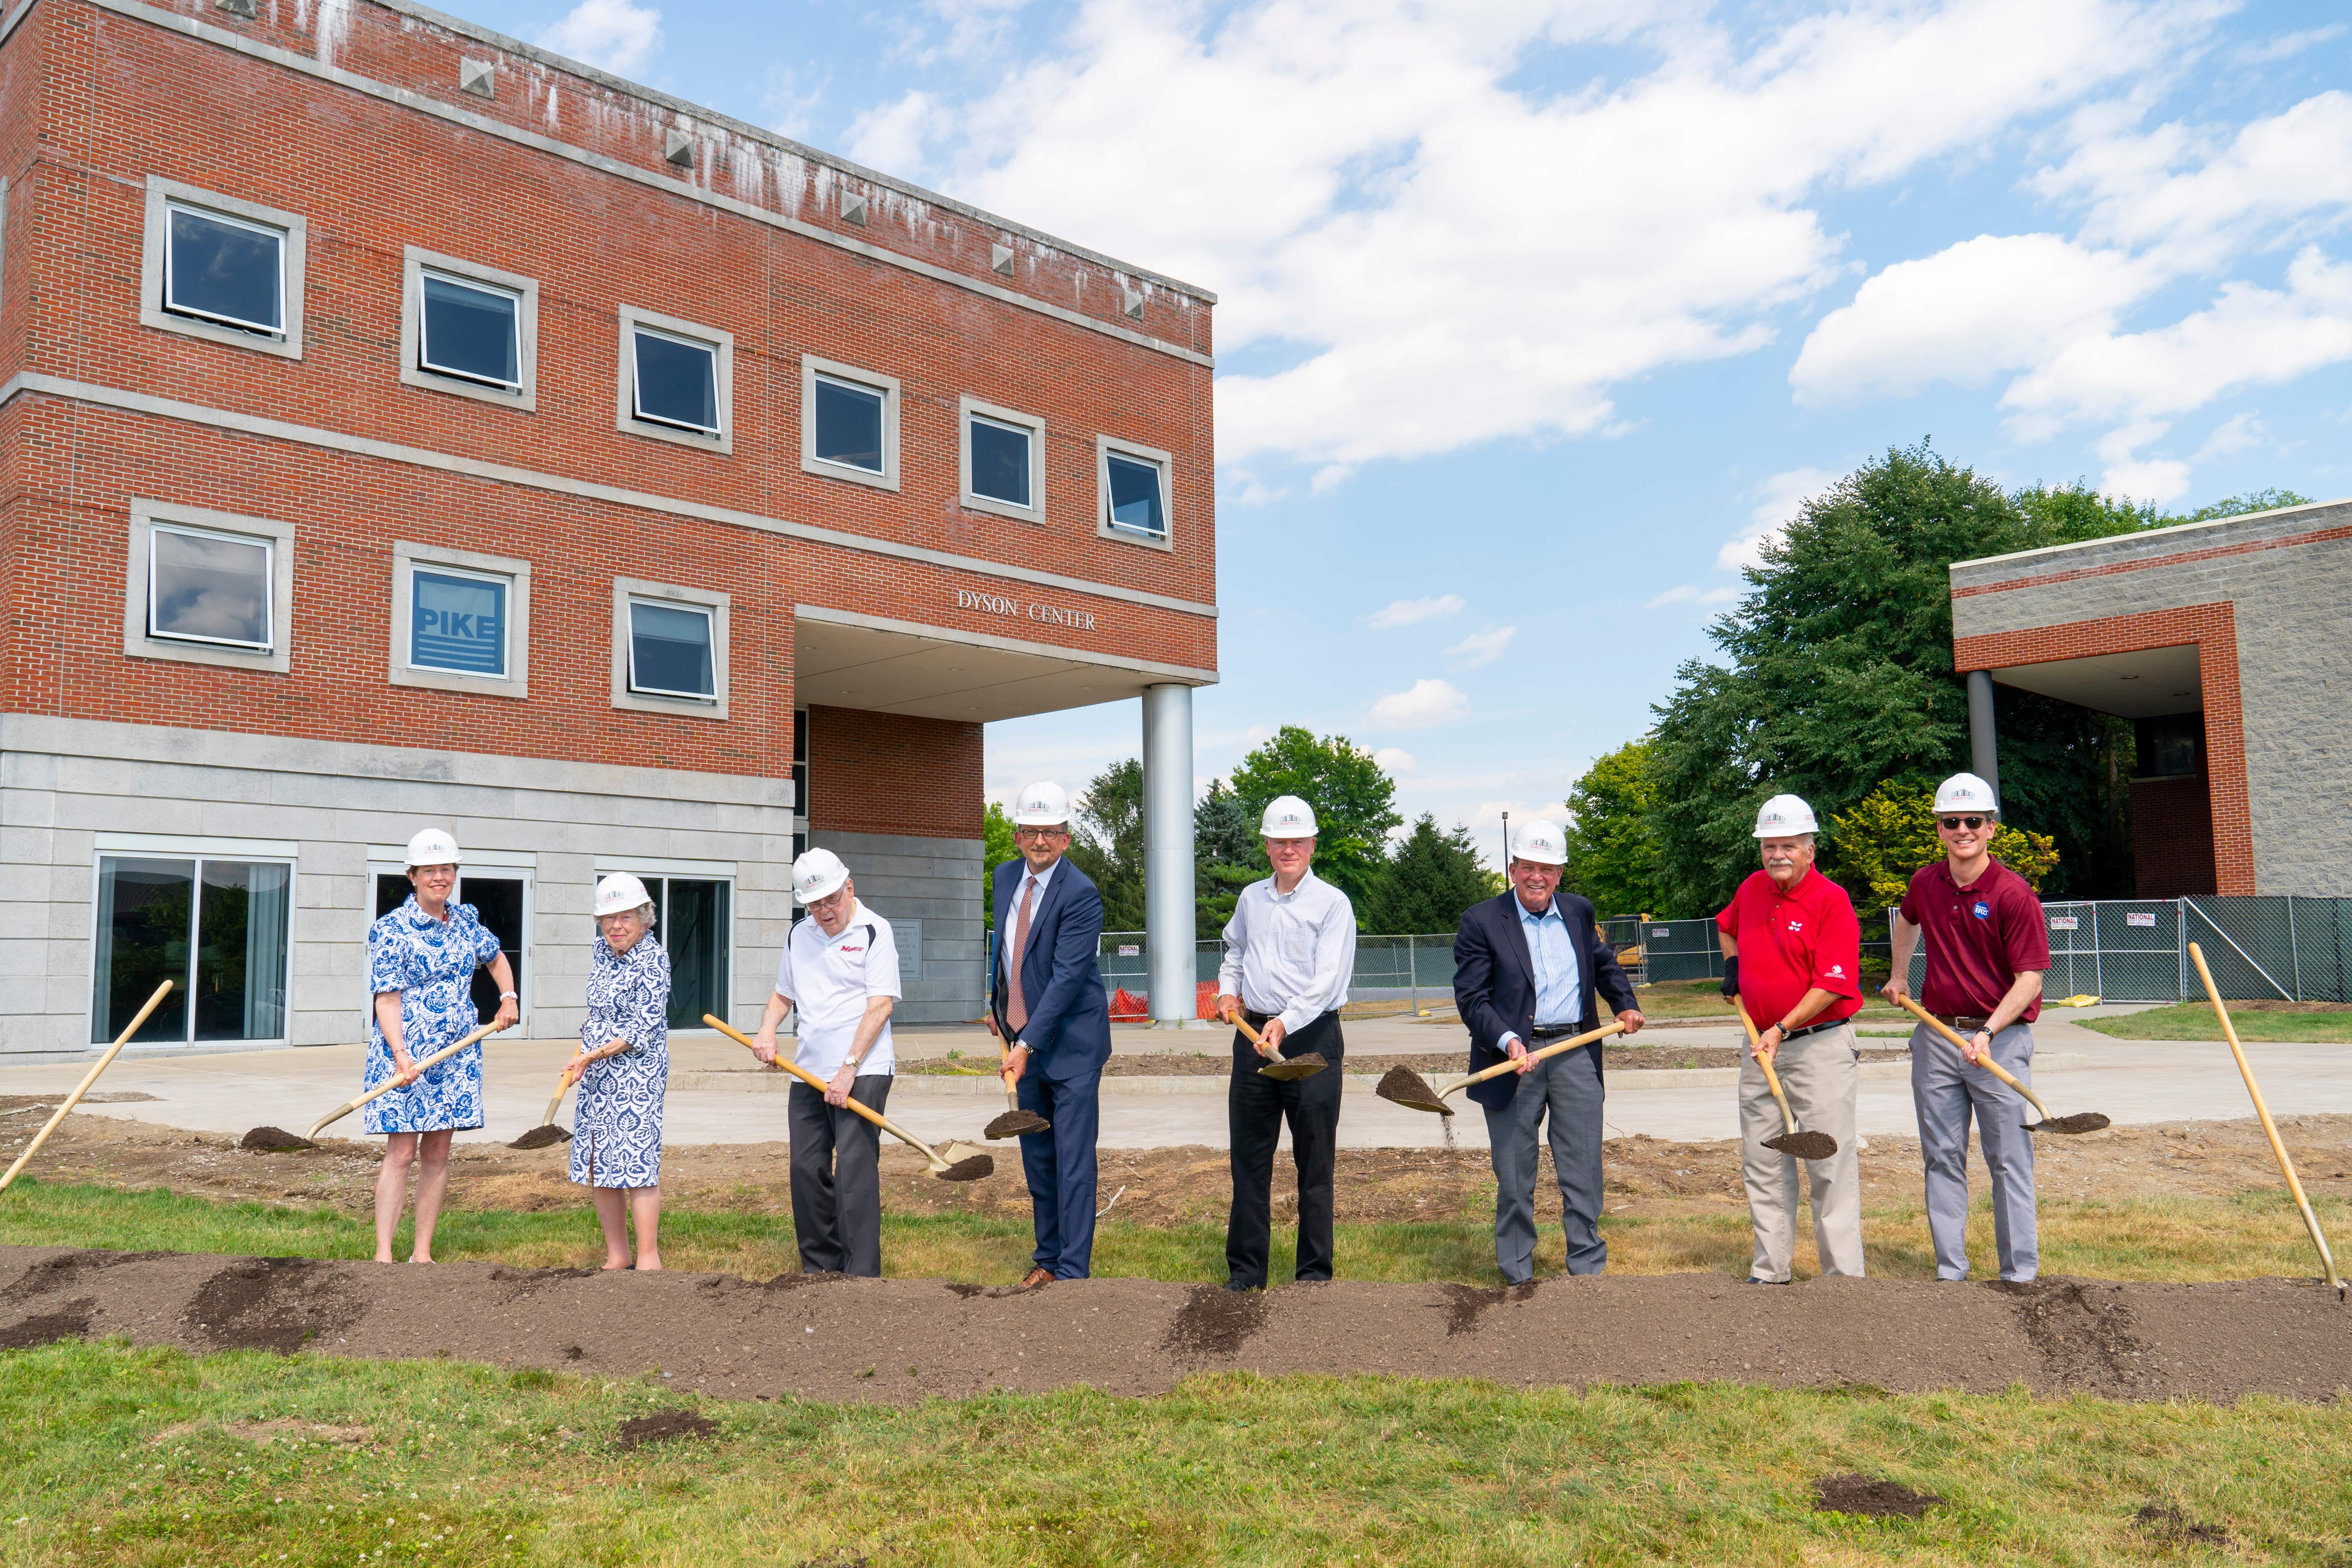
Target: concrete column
(1984, 756)
(1168, 855)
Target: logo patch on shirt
(1837, 972)
(848, 949)
(1796, 925)
(1981, 910)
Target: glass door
(216, 927)
(501, 901)
(692, 916)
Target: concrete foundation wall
(937, 881)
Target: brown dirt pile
(1870, 1497)
(724, 1336)
(661, 1425)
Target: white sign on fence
(1661, 931)
(1126, 951)
(2064, 922)
(2140, 918)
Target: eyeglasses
(1954, 824)
(1041, 833)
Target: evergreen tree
(1107, 842)
(1354, 801)
(1612, 842)
(995, 849)
(1226, 857)
(1429, 880)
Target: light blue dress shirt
(1560, 1000)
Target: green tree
(1837, 677)
(2238, 506)
(1354, 801)
(1107, 842)
(995, 850)
(1612, 839)
(1891, 833)
(1226, 857)
(1429, 880)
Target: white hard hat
(619, 892)
(1041, 804)
(1287, 817)
(1965, 792)
(431, 848)
(1785, 816)
(1541, 842)
(818, 874)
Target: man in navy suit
(1046, 998)
(1527, 968)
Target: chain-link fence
(2272, 947)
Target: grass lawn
(2250, 1235)
(155, 1458)
(2311, 1023)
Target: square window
(677, 381)
(1132, 486)
(669, 649)
(457, 621)
(216, 928)
(224, 269)
(1003, 460)
(209, 587)
(470, 331)
(214, 267)
(849, 423)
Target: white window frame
(971, 409)
(406, 557)
(627, 589)
(139, 586)
(811, 367)
(629, 421)
(293, 232)
(1104, 446)
(415, 264)
(196, 850)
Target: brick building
(405, 426)
(2224, 643)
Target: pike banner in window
(458, 624)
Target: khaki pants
(1820, 1075)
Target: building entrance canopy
(2147, 683)
(844, 660)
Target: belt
(1813, 1029)
(1963, 1021)
(1554, 1031)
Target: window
(468, 330)
(694, 918)
(800, 772)
(221, 268)
(208, 587)
(1003, 462)
(1133, 482)
(676, 381)
(215, 926)
(669, 649)
(460, 621)
(849, 423)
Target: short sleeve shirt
(1979, 938)
(1790, 942)
(830, 979)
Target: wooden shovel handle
(1555, 1048)
(83, 1088)
(436, 1059)
(1238, 1022)
(819, 1085)
(1990, 1064)
(1755, 1043)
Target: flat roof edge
(2174, 531)
(603, 78)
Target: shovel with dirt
(1306, 1064)
(1015, 1122)
(1402, 1086)
(953, 1161)
(547, 1132)
(436, 1059)
(2081, 1122)
(1801, 1145)
(88, 1078)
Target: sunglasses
(1954, 824)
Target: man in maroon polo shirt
(1988, 946)
(1792, 954)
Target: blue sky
(1535, 316)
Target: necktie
(1016, 1007)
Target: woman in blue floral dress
(622, 1067)
(421, 961)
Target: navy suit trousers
(1060, 1165)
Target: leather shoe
(1753, 1280)
(1036, 1277)
(1237, 1284)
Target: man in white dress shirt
(840, 967)
(1289, 949)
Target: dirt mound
(1215, 1321)
(664, 1423)
(70, 1322)
(272, 1304)
(275, 1140)
(2174, 1528)
(1466, 1304)
(1870, 1497)
(2084, 1332)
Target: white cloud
(1394, 760)
(1777, 500)
(1387, 209)
(2234, 435)
(1674, 595)
(2158, 480)
(612, 35)
(1413, 612)
(1481, 649)
(1418, 707)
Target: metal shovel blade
(962, 1161)
(1306, 1064)
(1803, 1145)
(2081, 1122)
(1402, 1086)
(1014, 1124)
(541, 1136)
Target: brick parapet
(887, 773)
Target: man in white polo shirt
(840, 967)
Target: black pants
(1254, 1109)
(838, 1179)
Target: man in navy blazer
(1046, 1001)
(1527, 969)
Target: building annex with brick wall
(2224, 643)
(402, 426)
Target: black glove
(1730, 977)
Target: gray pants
(1569, 1087)
(838, 1179)
(1819, 1075)
(1946, 1091)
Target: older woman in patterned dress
(421, 961)
(622, 1067)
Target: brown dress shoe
(1036, 1277)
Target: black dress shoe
(1240, 1284)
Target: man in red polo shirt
(1792, 954)
(1986, 949)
